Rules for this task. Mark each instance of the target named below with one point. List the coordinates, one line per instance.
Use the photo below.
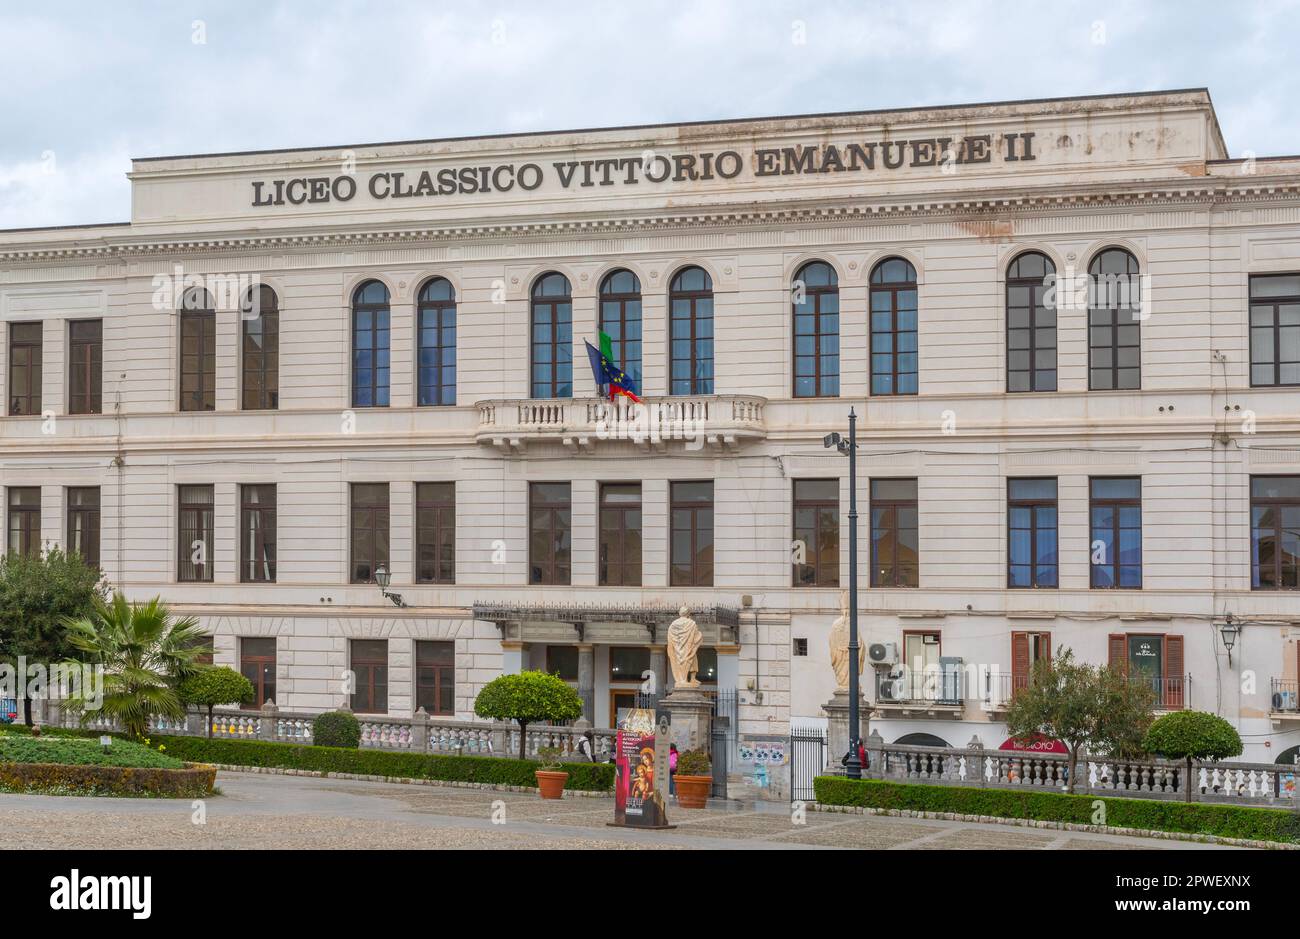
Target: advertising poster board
(637, 801)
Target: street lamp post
(853, 765)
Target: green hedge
(81, 751)
(59, 779)
(1226, 821)
(592, 777)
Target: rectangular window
(1027, 649)
(435, 533)
(1115, 550)
(925, 677)
(1031, 325)
(435, 677)
(1275, 330)
(1031, 533)
(257, 664)
(620, 535)
(198, 360)
(369, 659)
(1275, 532)
(708, 662)
(816, 554)
(369, 526)
(261, 366)
(257, 507)
(894, 350)
(691, 511)
(194, 536)
(628, 663)
(562, 661)
(1157, 659)
(83, 523)
(24, 519)
(25, 368)
(86, 367)
(549, 533)
(895, 554)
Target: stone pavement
(271, 811)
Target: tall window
(1114, 331)
(1116, 548)
(816, 532)
(369, 660)
(435, 677)
(620, 319)
(552, 337)
(435, 533)
(83, 523)
(549, 533)
(370, 345)
(1157, 659)
(24, 519)
(690, 302)
(620, 534)
(194, 519)
(893, 328)
(86, 367)
(437, 326)
(1031, 324)
(25, 368)
(895, 555)
(1031, 533)
(1275, 330)
(261, 339)
(198, 351)
(816, 302)
(369, 526)
(691, 553)
(257, 664)
(1275, 532)
(257, 505)
(1027, 649)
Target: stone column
(837, 737)
(659, 666)
(975, 761)
(266, 723)
(587, 681)
(691, 711)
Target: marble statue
(684, 639)
(840, 646)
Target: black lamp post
(853, 766)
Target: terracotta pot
(692, 791)
(551, 784)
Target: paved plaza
(273, 811)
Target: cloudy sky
(85, 86)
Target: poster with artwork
(637, 804)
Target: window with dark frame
(620, 319)
(1031, 324)
(815, 305)
(198, 351)
(435, 677)
(620, 535)
(1116, 523)
(628, 663)
(691, 536)
(369, 660)
(437, 345)
(257, 664)
(1275, 532)
(1274, 329)
(1114, 324)
(194, 518)
(690, 311)
(24, 520)
(894, 349)
(257, 533)
(25, 351)
(261, 341)
(435, 533)
(895, 554)
(86, 367)
(371, 337)
(800, 647)
(369, 531)
(562, 661)
(83, 523)
(552, 337)
(1158, 659)
(550, 522)
(1032, 533)
(816, 536)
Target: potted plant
(694, 779)
(550, 778)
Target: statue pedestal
(837, 739)
(692, 716)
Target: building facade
(1070, 331)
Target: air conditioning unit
(883, 653)
(1284, 701)
(891, 690)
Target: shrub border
(409, 780)
(194, 780)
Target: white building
(414, 393)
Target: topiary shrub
(1192, 735)
(213, 686)
(528, 698)
(336, 729)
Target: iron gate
(807, 761)
(719, 751)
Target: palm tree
(145, 653)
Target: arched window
(260, 328)
(690, 301)
(437, 343)
(816, 303)
(1114, 331)
(620, 319)
(1031, 324)
(198, 351)
(552, 320)
(893, 328)
(370, 344)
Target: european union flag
(606, 372)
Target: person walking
(587, 746)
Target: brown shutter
(1119, 652)
(1046, 640)
(1019, 661)
(1174, 698)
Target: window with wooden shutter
(1118, 652)
(1174, 697)
(1026, 650)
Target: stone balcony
(693, 421)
